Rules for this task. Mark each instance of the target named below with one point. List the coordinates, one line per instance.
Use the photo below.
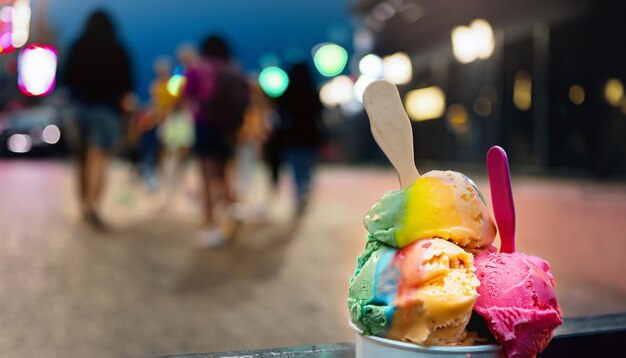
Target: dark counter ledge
(337, 350)
(595, 336)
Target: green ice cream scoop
(383, 218)
(369, 297)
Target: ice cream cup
(376, 347)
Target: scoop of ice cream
(436, 293)
(370, 294)
(517, 301)
(423, 293)
(439, 204)
(387, 216)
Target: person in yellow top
(163, 98)
(161, 103)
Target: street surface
(144, 289)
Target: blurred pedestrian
(250, 142)
(162, 100)
(300, 128)
(218, 95)
(98, 75)
(177, 130)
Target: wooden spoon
(391, 128)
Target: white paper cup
(377, 347)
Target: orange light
(614, 91)
(576, 95)
(522, 91)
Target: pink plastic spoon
(502, 197)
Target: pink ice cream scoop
(517, 298)
(517, 301)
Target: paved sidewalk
(145, 290)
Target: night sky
(151, 28)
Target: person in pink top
(218, 95)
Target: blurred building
(545, 80)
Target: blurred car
(34, 131)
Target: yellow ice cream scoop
(439, 204)
(436, 293)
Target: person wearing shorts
(217, 94)
(98, 76)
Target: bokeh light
(351, 108)
(21, 22)
(411, 12)
(330, 59)
(489, 92)
(19, 143)
(175, 85)
(37, 66)
(6, 42)
(482, 106)
(6, 14)
(363, 40)
(462, 44)
(576, 95)
(273, 81)
(483, 37)
(371, 66)
(457, 118)
(522, 91)
(360, 85)
(337, 91)
(383, 11)
(473, 42)
(51, 134)
(397, 68)
(613, 91)
(373, 23)
(426, 103)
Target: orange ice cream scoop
(436, 294)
